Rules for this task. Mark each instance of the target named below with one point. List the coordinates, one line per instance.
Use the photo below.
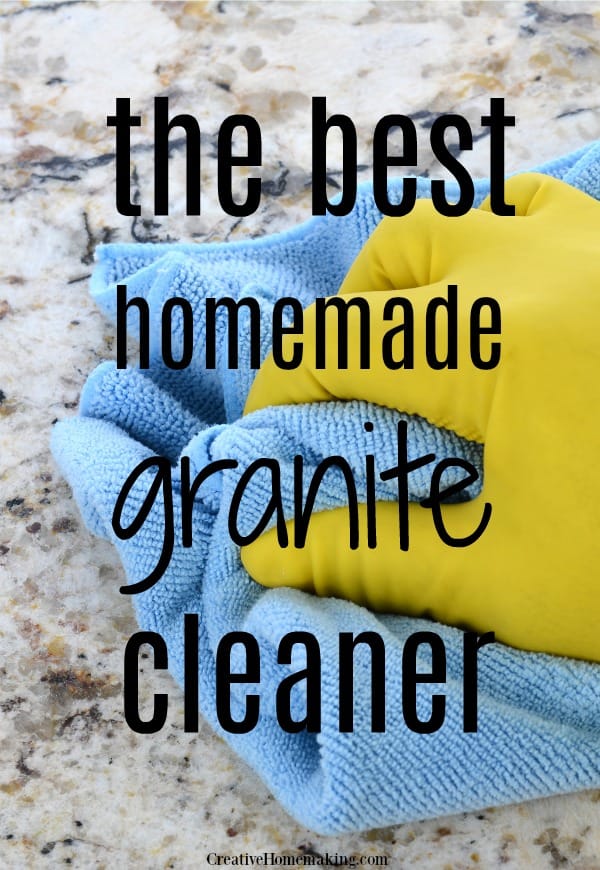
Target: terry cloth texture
(539, 715)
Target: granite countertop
(77, 786)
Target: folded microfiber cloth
(539, 715)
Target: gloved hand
(532, 576)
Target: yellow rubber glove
(533, 576)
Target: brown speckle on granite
(561, 850)
(69, 683)
(65, 524)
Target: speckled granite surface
(76, 785)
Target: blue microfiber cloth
(539, 715)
